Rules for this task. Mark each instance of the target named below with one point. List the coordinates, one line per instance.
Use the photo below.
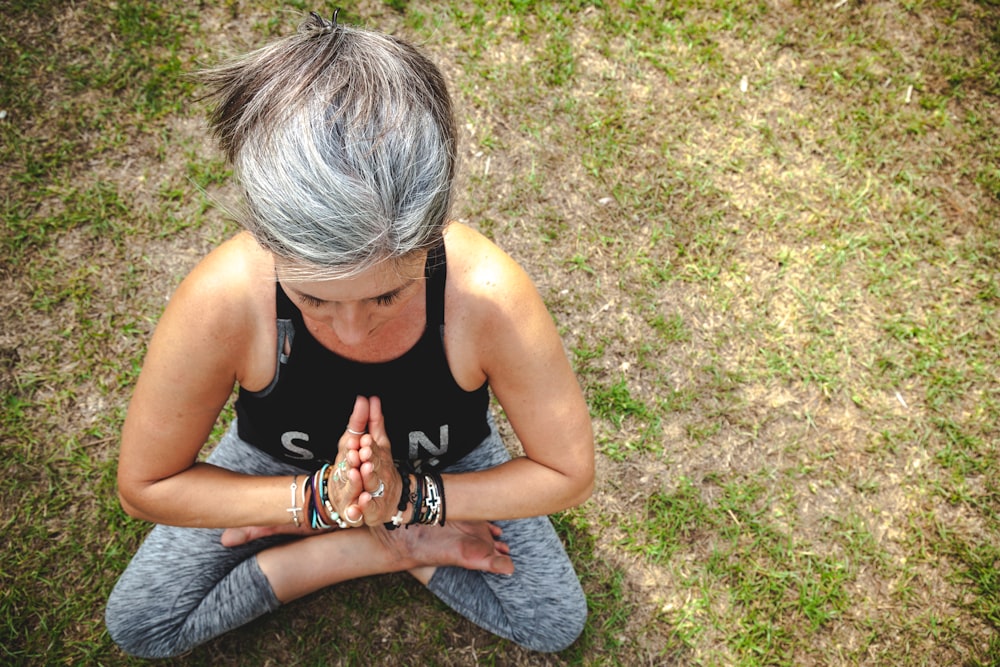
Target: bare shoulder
(508, 335)
(231, 269)
(482, 274)
(221, 304)
(493, 310)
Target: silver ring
(353, 522)
(353, 432)
(380, 491)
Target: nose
(350, 323)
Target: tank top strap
(436, 271)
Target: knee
(556, 626)
(131, 628)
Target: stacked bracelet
(427, 498)
(318, 483)
(433, 506)
(429, 506)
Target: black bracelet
(417, 498)
(404, 498)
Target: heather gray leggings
(184, 588)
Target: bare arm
(203, 345)
(501, 331)
(522, 356)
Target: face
(356, 308)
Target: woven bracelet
(404, 498)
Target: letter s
(294, 451)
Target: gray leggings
(184, 588)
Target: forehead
(369, 283)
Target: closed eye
(311, 300)
(388, 299)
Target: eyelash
(382, 300)
(387, 299)
(311, 300)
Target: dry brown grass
(781, 302)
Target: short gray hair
(343, 143)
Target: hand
(377, 470)
(346, 484)
(344, 489)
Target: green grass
(768, 236)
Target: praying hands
(359, 489)
(367, 464)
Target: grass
(768, 237)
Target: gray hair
(343, 143)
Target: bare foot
(234, 537)
(471, 545)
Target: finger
(367, 450)
(371, 501)
(354, 515)
(501, 565)
(355, 483)
(348, 494)
(346, 484)
(357, 424)
(371, 480)
(353, 459)
(376, 421)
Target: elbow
(586, 491)
(130, 497)
(127, 505)
(583, 489)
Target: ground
(768, 235)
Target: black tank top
(430, 420)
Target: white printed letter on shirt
(294, 451)
(419, 439)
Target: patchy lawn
(768, 233)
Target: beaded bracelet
(315, 517)
(324, 496)
(427, 498)
(318, 484)
(404, 497)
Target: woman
(363, 332)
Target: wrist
(318, 505)
(402, 513)
(421, 501)
(411, 509)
